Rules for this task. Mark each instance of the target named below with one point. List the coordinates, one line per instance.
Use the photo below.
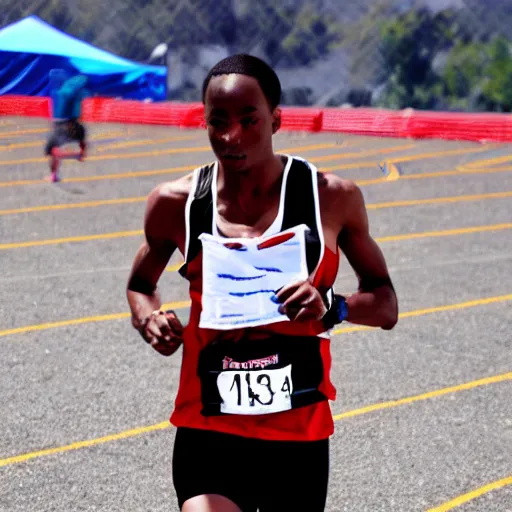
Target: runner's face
(240, 122)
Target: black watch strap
(337, 312)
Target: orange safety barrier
(367, 121)
(480, 127)
(26, 106)
(301, 119)
(406, 123)
(108, 110)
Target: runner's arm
(152, 257)
(375, 303)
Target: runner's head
(241, 95)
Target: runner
(67, 128)
(252, 409)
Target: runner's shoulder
(334, 190)
(170, 196)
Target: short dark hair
(243, 64)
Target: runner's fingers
(302, 314)
(166, 348)
(286, 291)
(163, 324)
(174, 322)
(305, 314)
(305, 304)
(303, 293)
(152, 330)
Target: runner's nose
(232, 135)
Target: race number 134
(256, 391)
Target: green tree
(463, 75)
(408, 47)
(497, 89)
(478, 76)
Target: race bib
(242, 275)
(260, 376)
(256, 392)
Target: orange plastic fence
(366, 121)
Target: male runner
(67, 128)
(252, 409)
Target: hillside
(326, 51)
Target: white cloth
(239, 284)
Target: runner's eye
(217, 123)
(248, 121)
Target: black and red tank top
(270, 381)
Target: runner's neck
(258, 183)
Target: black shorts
(64, 132)
(255, 474)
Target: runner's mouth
(234, 156)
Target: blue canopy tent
(31, 48)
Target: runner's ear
(276, 120)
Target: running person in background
(67, 127)
(252, 409)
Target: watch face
(341, 309)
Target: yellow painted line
(429, 311)
(125, 156)
(144, 142)
(20, 145)
(145, 154)
(465, 498)
(491, 161)
(440, 154)
(447, 232)
(313, 147)
(40, 143)
(496, 169)
(4, 135)
(428, 175)
(370, 206)
(117, 156)
(68, 206)
(186, 304)
(174, 268)
(71, 239)
(390, 162)
(84, 320)
(425, 396)
(84, 444)
(363, 153)
(108, 135)
(123, 175)
(436, 200)
(393, 173)
(453, 172)
(126, 234)
(187, 168)
(461, 305)
(166, 424)
(354, 165)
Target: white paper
(239, 284)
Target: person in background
(66, 124)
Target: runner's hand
(301, 301)
(163, 331)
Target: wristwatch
(337, 309)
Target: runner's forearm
(375, 308)
(142, 305)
